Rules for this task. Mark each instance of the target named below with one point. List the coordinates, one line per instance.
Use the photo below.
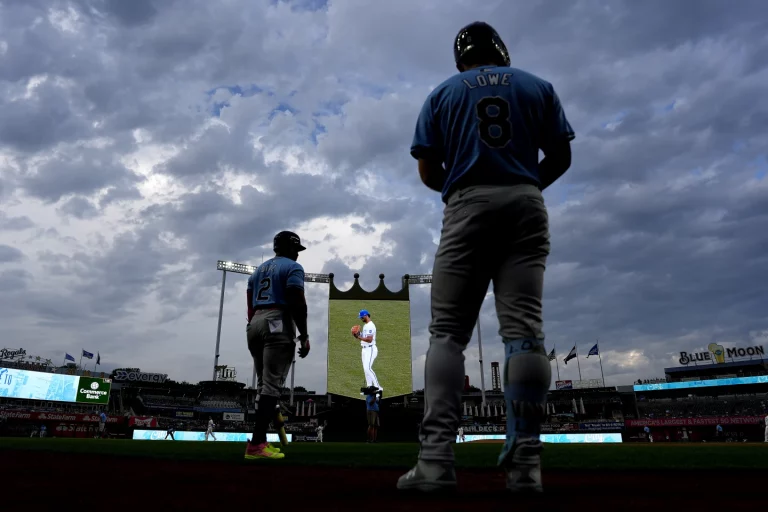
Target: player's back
(493, 121)
(271, 279)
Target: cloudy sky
(142, 141)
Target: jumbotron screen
(354, 364)
(55, 387)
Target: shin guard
(527, 376)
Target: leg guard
(527, 376)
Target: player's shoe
(272, 448)
(261, 451)
(429, 477)
(522, 465)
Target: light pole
(482, 372)
(218, 330)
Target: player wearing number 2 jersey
(277, 308)
(477, 142)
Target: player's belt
(368, 346)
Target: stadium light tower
(427, 279)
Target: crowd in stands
(658, 380)
(697, 407)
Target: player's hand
(303, 346)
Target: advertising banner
(227, 437)
(694, 422)
(126, 376)
(602, 425)
(142, 421)
(79, 430)
(551, 438)
(185, 414)
(234, 416)
(564, 384)
(58, 416)
(53, 386)
(587, 384)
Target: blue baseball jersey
(371, 404)
(486, 125)
(273, 277)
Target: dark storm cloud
(81, 172)
(658, 230)
(15, 223)
(10, 254)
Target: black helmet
(479, 37)
(287, 241)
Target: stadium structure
(687, 405)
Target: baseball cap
(364, 312)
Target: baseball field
(348, 476)
(393, 339)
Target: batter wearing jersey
(277, 308)
(477, 142)
(370, 351)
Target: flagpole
(80, 364)
(577, 358)
(600, 357)
(557, 364)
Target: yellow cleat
(262, 451)
(272, 448)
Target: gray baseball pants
(496, 234)
(271, 341)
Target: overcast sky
(142, 141)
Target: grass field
(391, 455)
(393, 339)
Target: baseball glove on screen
(355, 330)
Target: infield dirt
(39, 480)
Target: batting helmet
(479, 38)
(287, 241)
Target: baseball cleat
(272, 448)
(429, 477)
(522, 466)
(261, 451)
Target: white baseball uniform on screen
(766, 429)
(370, 350)
(209, 430)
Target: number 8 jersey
(270, 280)
(487, 125)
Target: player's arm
(556, 141)
(427, 147)
(432, 174)
(297, 304)
(249, 298)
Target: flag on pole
(571, 355)
(98, 359)
(87, 354)
(552, 355)
(594, 351)
(68, 357)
